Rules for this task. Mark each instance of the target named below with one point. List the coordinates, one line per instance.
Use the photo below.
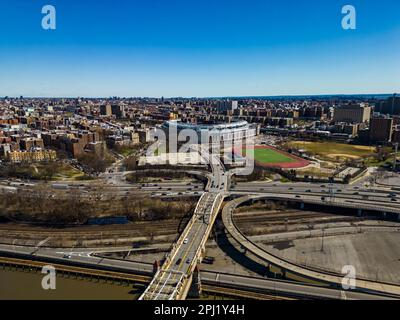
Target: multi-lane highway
(173, 279)
(381, 199)
(87, 190)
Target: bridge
(174, 279)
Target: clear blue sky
(198, 48)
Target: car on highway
(393, 199)
(208, 260)
(178, 262)
(308, 190)
(298, 196)
(186, 241)
(188, 260)
(67, 256)
(290, 188)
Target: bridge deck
(172, 281)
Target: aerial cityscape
(228, 167)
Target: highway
(173, 279)
(88, 190)
(341, 195)
(285, 288)
(364, 285)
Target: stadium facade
(223, 132)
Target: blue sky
(198, 48)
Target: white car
(185, 241)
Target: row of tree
(45, 205)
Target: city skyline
(202, 150)
(180, 49)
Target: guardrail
(199, 249)
(349, 203)
(158, 278)
(210, 278)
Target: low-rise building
(33, 155)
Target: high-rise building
(118, 110)
(225, 105)
(352, 113)
(396, 135)
(381, 130)
(390, 106)
(234, 105)
(106, 110)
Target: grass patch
(42, 171)
(315, 172)
(334, 151)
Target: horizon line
(3, 97)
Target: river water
(23, 285)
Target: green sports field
(266, 155)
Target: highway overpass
(330, 278)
